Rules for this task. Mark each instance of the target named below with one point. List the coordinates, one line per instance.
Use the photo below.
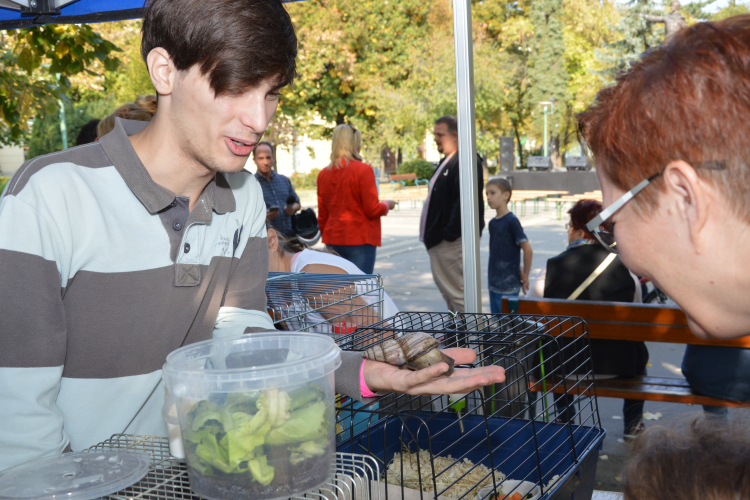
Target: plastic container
(257, 413)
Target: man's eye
(273, 96)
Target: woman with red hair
(670, 142)
(584, 271)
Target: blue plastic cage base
(507, 445)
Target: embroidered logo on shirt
(237, 235)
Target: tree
(36, 66)
(45, 135)
(548, 78)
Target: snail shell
(414, 350)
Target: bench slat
(624, 321)
(666, 390)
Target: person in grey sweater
(115, 253)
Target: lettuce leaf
(261, 471)
(305, 424)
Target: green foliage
(634, 36)
(548, 77)
(45, 133)
(732, 9)
(31, 60)
(423, 168)
(305, 181)
(132, 79)
(3, 183)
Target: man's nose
(253, 114)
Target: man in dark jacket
(440, 225)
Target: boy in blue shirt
(507, 239)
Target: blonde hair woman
(143, 109)
(349, 211)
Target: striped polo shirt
(103, 272)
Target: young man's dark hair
(450, 122)
(237, 46)
(88, 132)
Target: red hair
(688, 99)
(582, 212)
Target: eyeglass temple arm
(614, 207)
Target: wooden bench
(402, 178)
(625, 321)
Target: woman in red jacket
(348, 208)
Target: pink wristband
(366, 392)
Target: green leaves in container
(305, 424)
(308, 449)
(304, 395)
(231, 439)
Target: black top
(444, 211)
(571, 268)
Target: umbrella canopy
(25, 13)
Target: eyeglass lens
(607, 239)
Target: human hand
(391, 204)
(271, 214)
(291, 209)
(382, 377)
(524, 282)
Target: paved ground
(404, 264)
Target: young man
(115, 253)
(507, 239)
(440, 224)
(277, 191)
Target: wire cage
(324, 303)
(536, 434)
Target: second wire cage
(534, 436)
(325, 303)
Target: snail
(414, 350)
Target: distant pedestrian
(507, 239)
(348, 208)
(440, 225)
(143, 109)
(281, 200)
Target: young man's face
(220, 132)
(496, 198)
(263, 158)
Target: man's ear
(690, 196)
(161, 70)
(273, 241)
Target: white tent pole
(467, 151)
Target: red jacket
(348, 208)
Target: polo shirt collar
(217, 195)
(262, 177)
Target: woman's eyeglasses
(605, 231)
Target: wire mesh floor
(167, 478)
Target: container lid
(82, 475)
(256, 361)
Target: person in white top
(289, 255)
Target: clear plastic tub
(257, 413)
